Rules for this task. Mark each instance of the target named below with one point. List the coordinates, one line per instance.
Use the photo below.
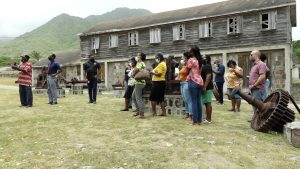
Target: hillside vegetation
(59, 34)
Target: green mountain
(60, 33)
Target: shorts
(158, 91)
(128, 92)
(236, 96)
(206, 97)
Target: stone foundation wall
(174, 105)
(295, 91)
(60, 92)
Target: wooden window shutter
(176, 32)
(228, 26)
(239, 24)
(201, 30)
(151, 35)
(206, 32)
(136, 38)
(97, 43)
(273, 19)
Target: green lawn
(74, 134)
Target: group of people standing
(198, 78)
(196, 85)
(196, 82)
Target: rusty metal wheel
(277, 114)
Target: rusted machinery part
(276, 116)
(295, 104)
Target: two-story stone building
(224, 30)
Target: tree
(297, 49)
(36, 55)
(5, 61)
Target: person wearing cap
(54, 69)
(24, 81)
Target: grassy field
(8, 81)
(74, 134)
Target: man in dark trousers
(91, 69)
(219, 79)
(24, 81)
(54, 69)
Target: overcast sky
(20, 16)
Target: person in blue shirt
(54, 69)
(219, 79)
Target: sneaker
(206, 122)
(50, 103)
(124, 110)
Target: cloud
(18, 17)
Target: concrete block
(292, 133)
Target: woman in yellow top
(157, 95)
(234, 79)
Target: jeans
(52, 89)
(92, 88)
(184, 88)
(220, 91)
(259, 95)
(195, 90)
(25, 95)
(137, 98)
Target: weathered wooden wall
(250, 36)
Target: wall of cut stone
(295, 91)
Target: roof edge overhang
(185, 20)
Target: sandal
(189, 118)
(136, 114)
(139, 117)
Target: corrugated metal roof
(63, 58)
(203, 11)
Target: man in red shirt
(257, 76)
(24, 81)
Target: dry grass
(8, 81)
(73, 134)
